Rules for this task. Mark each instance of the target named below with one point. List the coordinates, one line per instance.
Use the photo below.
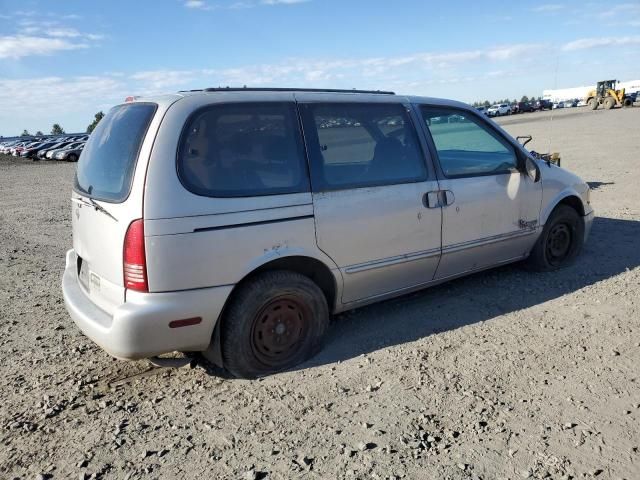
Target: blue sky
(63, 61)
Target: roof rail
(267, 89)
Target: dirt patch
(505, 374)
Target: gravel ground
(501, 375)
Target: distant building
(560, 94)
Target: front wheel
(275, 321)
(72, 158)
(608, 103)
(560, 242)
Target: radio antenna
(555, 87)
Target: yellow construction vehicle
(606, 95)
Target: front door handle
(447, 197)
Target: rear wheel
(608, 103)
(274, 321)
(628, 102)
(560, 242)
(593, 103)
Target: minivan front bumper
(139, 328)
(588, 223)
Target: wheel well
(311, 268)
(573, 202)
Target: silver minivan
(234, 222)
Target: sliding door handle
(431, 199)
(438, 198)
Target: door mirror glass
(532, 169)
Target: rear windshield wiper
(100, 208)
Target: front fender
(559, 184)
(553, 203)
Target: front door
(490, 208)
(369, 180)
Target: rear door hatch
(107, 197)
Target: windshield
(106, 166)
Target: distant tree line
(524, 98)
(97, 117)
(58, 130)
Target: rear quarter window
(243, 149)
(105, 169)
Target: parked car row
(66, 148)
(575, 102)
(500, 109)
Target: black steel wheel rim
(279, 330)
(558, 246)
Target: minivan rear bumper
(139, 328)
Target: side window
(465, 146)
(355, 145)
(243, 149)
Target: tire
(72, 158)
(257, 339)
(593, 103)
(560, 242)
(627, 102)
(608, 103)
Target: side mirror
(532, 169)
(524, 139)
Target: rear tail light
(135, 259)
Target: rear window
(243, 149)
(105, 168)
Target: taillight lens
(135, 259)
